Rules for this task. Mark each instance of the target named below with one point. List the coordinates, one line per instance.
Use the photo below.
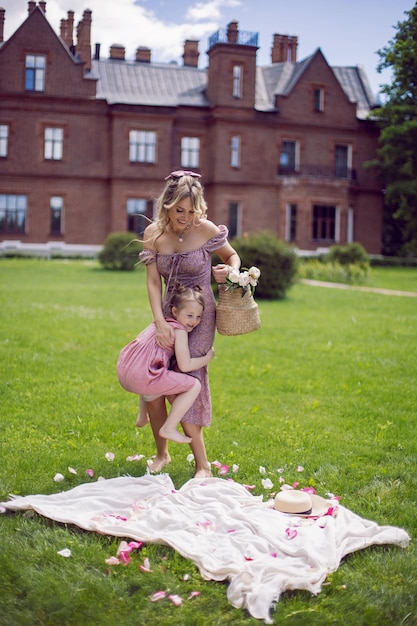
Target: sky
(348, 32)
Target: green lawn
(328, 383)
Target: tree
(396, 160)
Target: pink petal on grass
(309, 490)
(194, 594)
(135, 457)
(158, 595)
(146, 567)
(113, 560)
(216, 464)
(249, 487)
(176, 600)
(300, 468)
(89, 472)
(223, 470)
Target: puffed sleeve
(219, 240)
(147, 256)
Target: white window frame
(142, 146)
(35, 65)
(190, 152)
(53, 143)
(237, 81)
(235, 151)
(4, 140)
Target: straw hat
(300, 503)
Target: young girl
(143, 366)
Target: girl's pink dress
(191, 269)
(143, 366)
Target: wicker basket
(236, 314)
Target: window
(4, 140)
(54, 143)
(12, 213)
(289, 156)
(237, 81)
(235, 151)
(190, 152)
(136, 215)
(291, 223)
(142, 146)
(35, 73)
(234, 215)
(342, 161)
(324, 223)
(56, 205)
(318, 95)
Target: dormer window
(237, 81)
(35, 72)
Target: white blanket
(226, 531)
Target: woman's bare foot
(204, 472)
(158, 463)
(173, 435)
(143, 419)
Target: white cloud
(130, 24)
(210, 10)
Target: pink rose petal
(176, 600)
(89, 472)
(158, 595)
(113, 560)
(291, 533)
(194, 594)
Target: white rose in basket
(245, 279)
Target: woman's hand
(164, 334)
(220, 272)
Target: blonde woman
(178, 247)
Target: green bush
(120, 252)
(276, 260)
(350, 254)
(315, 269)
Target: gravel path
(385, 292)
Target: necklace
(180, 235)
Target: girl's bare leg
(143, 417)
(202, 465)
(180, 405)
(157, 412)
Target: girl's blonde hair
(179, 185)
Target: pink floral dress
(191, 269)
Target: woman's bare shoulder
(208, 228)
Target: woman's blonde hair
(179, 185)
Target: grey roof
(355, 84)
(161, 84)
(151, 84)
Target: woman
(178, 247)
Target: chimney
(2, 20)
(284, 49)
(97, 52)
(143, 55)
(83, 47)
(67, 30)
(117, 52)
(43, 6)
(31, 6)
(232, 32)
(191, 53)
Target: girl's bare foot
(158, 463)
(143, 419)
(173, 435)
(204, 472)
